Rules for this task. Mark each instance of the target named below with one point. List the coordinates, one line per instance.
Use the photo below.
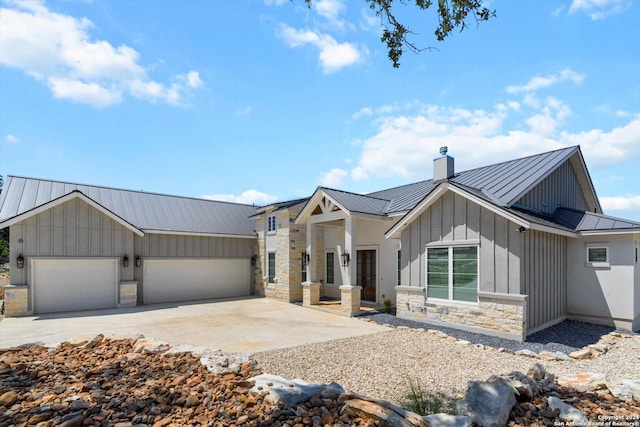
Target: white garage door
(194, 279)
(73, 284)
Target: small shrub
(388, 306)
(421, 401)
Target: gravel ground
(380, 365)
(566, 337)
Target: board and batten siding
(453, 218)
(72, 229)
(545, 278)
(560, 189)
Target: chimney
(443, 166)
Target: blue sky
(258, 101)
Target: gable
(560, 189)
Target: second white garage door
(187, 280)
(73, 284)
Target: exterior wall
(453, 219)
(636, 284)
(333, 239)
(167, 246)
(607, 295)
(72, 229)
(545, 279)
(560, 189)
(288, 241)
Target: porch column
(311, 288)
(350, 291)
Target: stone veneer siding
(291, 241)
(495, 315)
(16, 300)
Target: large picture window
(271, 267)
(452, 273)
(331, 272)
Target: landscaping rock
(488, 402)
(446, 420)
(567, 412)
(291, 392)
(554, 355)
(583, 353)
(528, 353)
(584, 382)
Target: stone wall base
(289, 292)
(494, 314)
(16, 300)
(128, 294)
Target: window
(303, 270)
(271, 267)
(399, 268)
(452, 273)
(330, 273)
(271, 223)
(597, 256)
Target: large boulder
(488, 402)
(567, 412)
(292, 392)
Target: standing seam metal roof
(146, 211)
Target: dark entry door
(366, 274)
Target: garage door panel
(186, 280)
(73, 284)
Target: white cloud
(545, 81)
(12, 139)
(248, 197)
(58, 50)
(334, 178)
(329, 9)
(599, 9)
(333, 55)
(620, 203)
(407, 140)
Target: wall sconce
(345, 259)
(20, 261)
(522, 229)
(125, 261)
(138, 261)
(254, 259)
(305, 258)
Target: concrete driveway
(245, 324)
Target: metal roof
(589, 221)
(146, 211)
(357, 203)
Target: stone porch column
(350, 299)
(16, 300)
(310, 294)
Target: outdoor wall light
(125, 261)
(138, 261)
(522, 229)
(345, 259)
(20, 261)
(305, 258)
(254, 259)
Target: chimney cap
(443, 150)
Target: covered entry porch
(345, 254)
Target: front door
(366, 274)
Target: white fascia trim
(192, 233)
(609, 232)
(63, 199)
(553, 230)
(305, 213)
(435, 194)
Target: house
(506, 249)
(80, 247)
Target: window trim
(271, 279)
(450, 273)
(271, 224)
(596, 264)
(326, 267)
